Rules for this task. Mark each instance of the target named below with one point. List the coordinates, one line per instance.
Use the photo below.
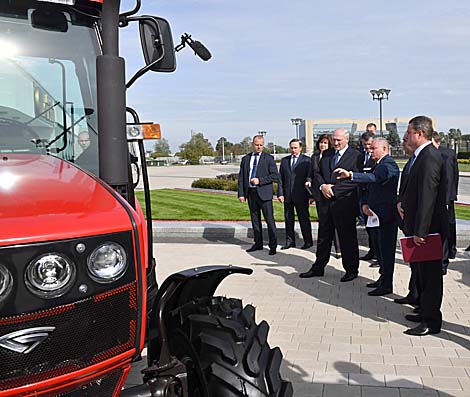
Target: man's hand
(281, 199)
(241, 199)
(400, 210)
(311, 200)
(342, 173)
(254, 181)
(308, 184)
(419, 240)
(366, 210)
(327, 190)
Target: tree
(279, 149)
(161, 148)
(228, 146)
(196, 147)
(246, 145)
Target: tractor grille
(86, 333)
(100, 387)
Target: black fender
(175, 291)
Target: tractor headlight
(50, 275)
(107, 263)
(6, 282)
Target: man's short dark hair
(436, 137)
(422, 123)
(367, 135)
(296, 140)
(371, 125)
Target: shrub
(228, 177)
(463, 161)
(221, 184)
(215, 184)
(463, 155)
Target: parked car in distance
(184, 162)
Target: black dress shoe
(374, 264)
(287, 246)
(405, 301)
(422, 330)
(272, 251)
(306, 246)
(415, 318)
(367, 257)
(348, 277)
(380, 291)
(375, 284)
(255, 247)
(417, 310)
(315, 271)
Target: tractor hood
(44, 198)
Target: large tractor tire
(226, 352)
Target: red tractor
(79, 299)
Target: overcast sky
(278, 59)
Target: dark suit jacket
(266, 172)
(423, 195)
(452, 172)
(345, 192)
(292, 181)
(381, 191)
(314, 169)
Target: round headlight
(50, 275)
(107, 263)
(6, 282)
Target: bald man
(337, 208)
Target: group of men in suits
(421, 208)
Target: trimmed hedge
(221, 184)
(215, 184)
(463, 161)
(463, 155)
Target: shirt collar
(420, 148)
(341, 152)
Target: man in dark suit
(368, 162)
(257, 173)
(452, 179)
(423, 209)
(379, 200)
(337, 208)
(293, 172)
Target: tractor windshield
(48, 83)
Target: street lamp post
(262, 133)
(380, 95)
(223, 148)
(297, 121)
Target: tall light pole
(223, 148)
(262, 133)
(380, 95)
(297, 121)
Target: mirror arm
(123, 18)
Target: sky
(276, 60)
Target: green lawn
(462, 167)
(169, 204)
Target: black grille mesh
(87, 332)
(101, 387)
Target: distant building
(310, 130)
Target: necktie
(294, 159)
(366, 157)
(412, 161)
(255, 165)
(336, 158)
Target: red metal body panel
(43, 198)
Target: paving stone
(409, 382)
(341, 391)
(418, 393)
(448, 372)
(441, 383)
(377, 369)
(334, 378)
(371, 391)
(307, 389)
(366, 380)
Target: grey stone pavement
(336, 340)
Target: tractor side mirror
(157, 44)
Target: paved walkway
(336, 340)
